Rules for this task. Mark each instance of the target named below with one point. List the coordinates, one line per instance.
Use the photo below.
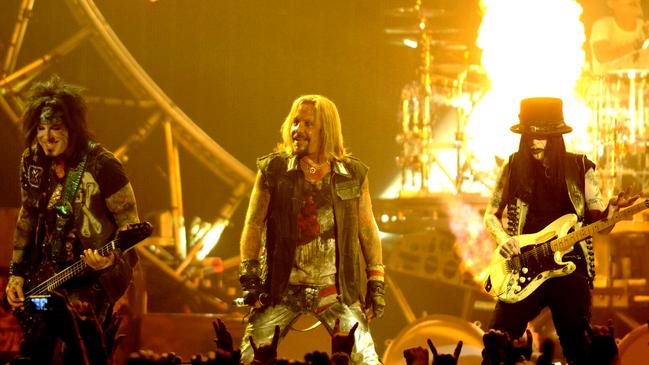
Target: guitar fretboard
(567, 241)
(68, 273)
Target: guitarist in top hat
(75, 197)
(537, 185)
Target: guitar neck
(68, 273)
(567, 241)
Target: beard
(301, 145)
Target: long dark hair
(522, 178)
(64, 98)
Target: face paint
(52, 134)
(537, 147)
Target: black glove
(250, 281)
(375, 298)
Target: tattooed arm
(123, 206)
(23, 234)
(368, 229)
(507, 245)
(595, 202)
(494, 212)
(117, 270)
(250, 243)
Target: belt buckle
(310, 297)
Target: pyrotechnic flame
(529, 48)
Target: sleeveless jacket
(91, 224)
(285, 180)
(575, 172)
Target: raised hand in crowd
(521, 348)
(416, 356)
(343, 341)
(495, 348)
(445, 359)
(223, 338)
(602, 348)
(547, 352)
(265, 353)
(225, 352)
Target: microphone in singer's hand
(241, 301)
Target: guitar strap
(64, 207)
(576, 186)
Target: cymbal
(434, 43)
(412, 11)
(414, 30)
(457, 68)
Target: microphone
(241, 301)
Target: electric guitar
(541, 257)
(124, 241)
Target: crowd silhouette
(498, 349)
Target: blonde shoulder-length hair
(331, 134)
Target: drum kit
(620, 128)
(452, 81)
(449, 83)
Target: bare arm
(123, 206)
(22, 236)
(368, 229)
(594, 200)
(255, 217)
(24, 231)
(607, 51)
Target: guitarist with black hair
(535, 190)
(75, 197)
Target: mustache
(297, 135)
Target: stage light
(212, 237)
(410, 43)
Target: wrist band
(249, 267)
(375, 272)
(17, 269)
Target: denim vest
(284, 180)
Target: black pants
(568, 298)
(56, 329)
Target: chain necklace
(311, 166)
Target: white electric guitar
(541, 257)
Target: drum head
(444, 331)
(634, 348)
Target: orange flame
(529, 48)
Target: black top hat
(541, 117)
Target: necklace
(312, 167)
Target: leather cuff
(249, 274)
(18, 269)
(376, 287)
